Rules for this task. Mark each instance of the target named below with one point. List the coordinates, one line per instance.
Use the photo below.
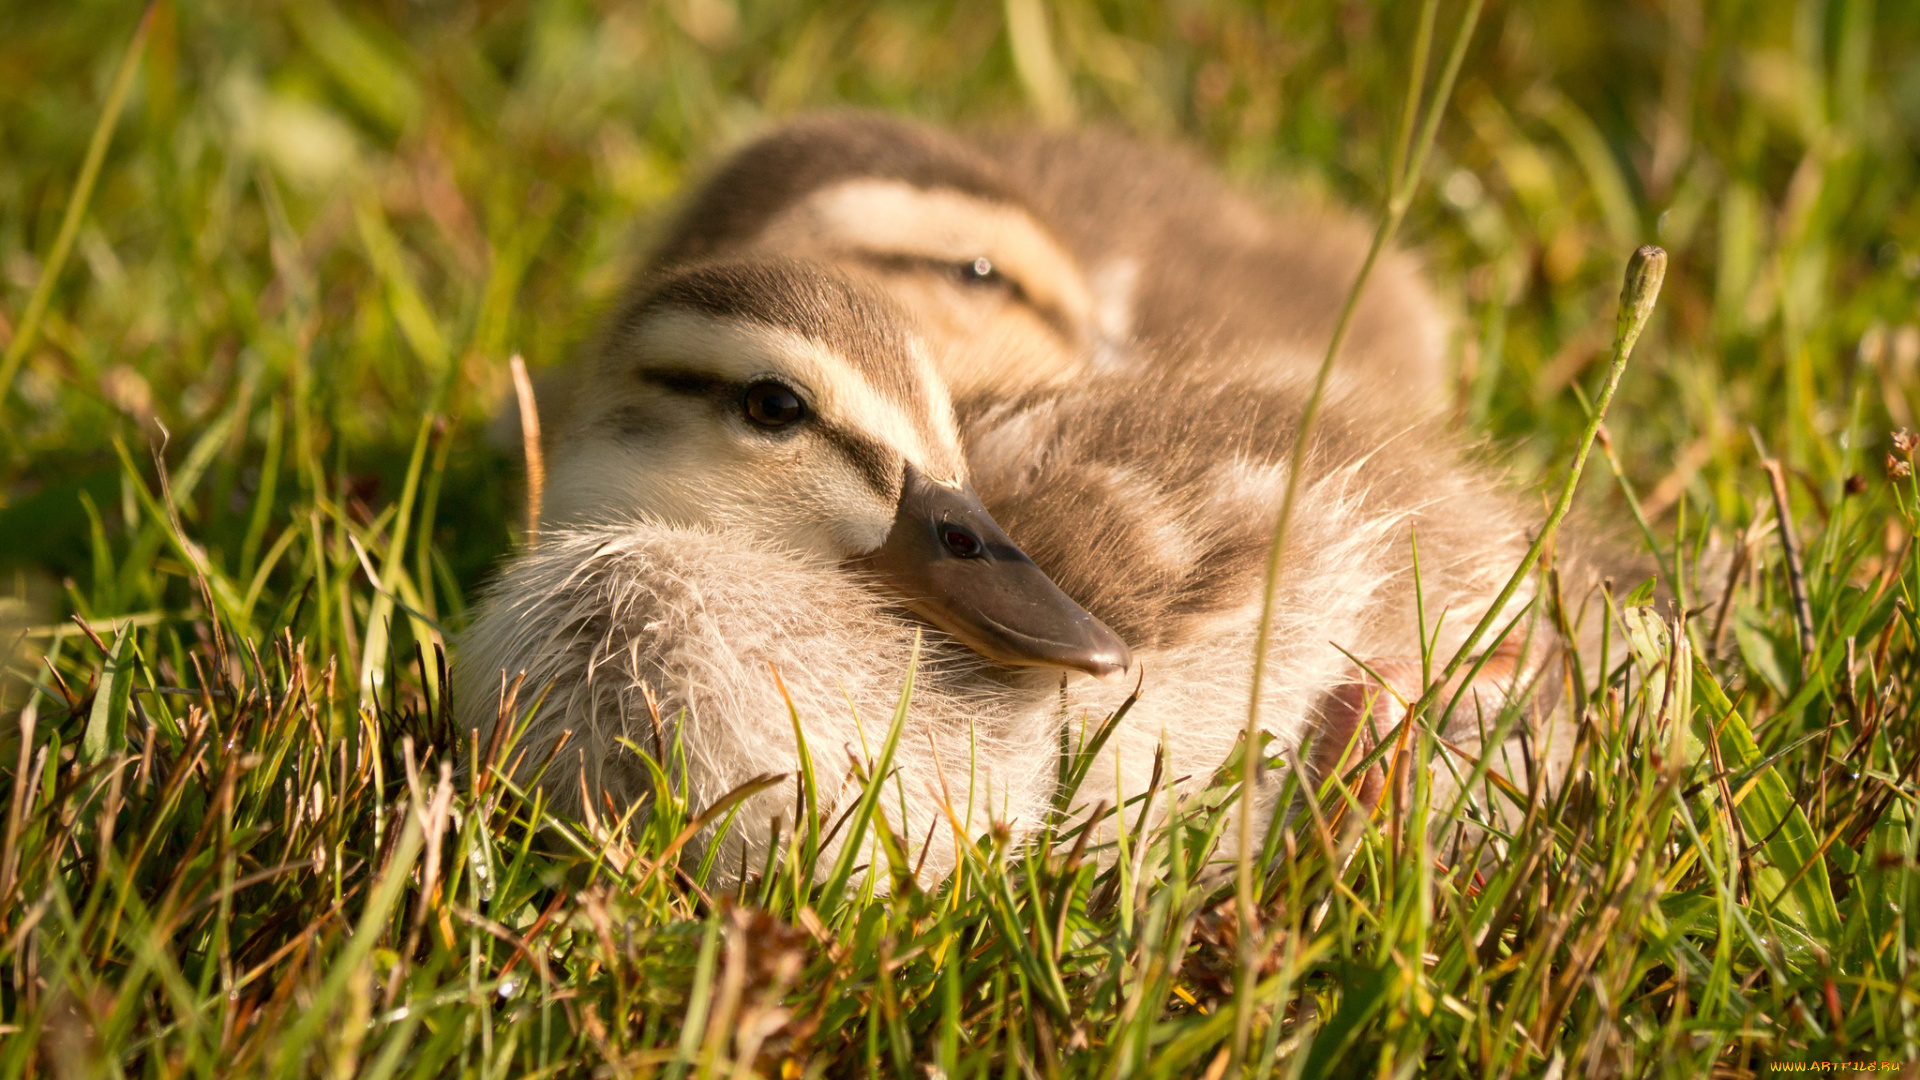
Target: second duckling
(1026, 255)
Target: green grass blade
(1796, 871)
(833, 890)
(23, 335)
(106, 731)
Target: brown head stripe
(802, 298)
(779, 170)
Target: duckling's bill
(956, 568)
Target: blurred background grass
(320, 229)
(316, 221)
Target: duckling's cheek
(597, 491)
(598, 483)
(851, 520)
(632, 463)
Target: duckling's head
(1002, 303)
(781, 400)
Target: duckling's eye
(961, 542)
(772, 405)
(978, 271)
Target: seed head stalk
(1645, 271)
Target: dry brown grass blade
(1796, 574)
(530, 443)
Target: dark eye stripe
(876, 465)
(690, 383)
(896, 263)
(879, 468)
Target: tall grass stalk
(56, 260)
(1402, 184)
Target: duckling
(761, 457)
(1027, 255)
(765, 476)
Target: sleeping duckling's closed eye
(927, 219)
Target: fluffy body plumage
(598, 618)
(1177, 480)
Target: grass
(255, 325)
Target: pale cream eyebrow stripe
(740, 350)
